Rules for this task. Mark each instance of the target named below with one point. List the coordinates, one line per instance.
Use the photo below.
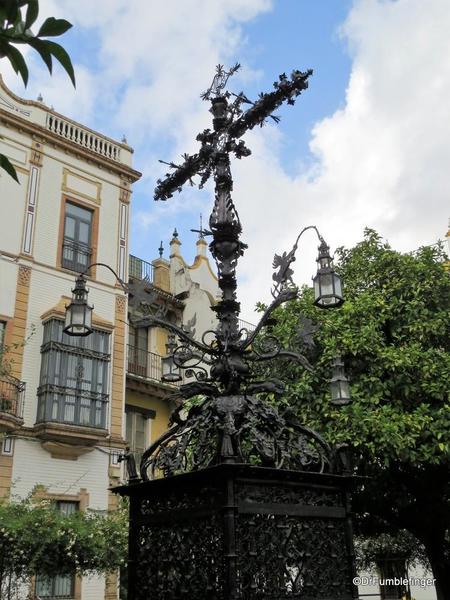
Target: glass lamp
(79, 313)
(340, 389)
(327, 283)
(170, 370)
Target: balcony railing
(83, 137)
(12, 392)
(66, 405)
(140, 269)
(145, 364)
(75, 256)
(246, 325)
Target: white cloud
(382, 160)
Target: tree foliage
(393, 333)
(35, 538)
(16, 19)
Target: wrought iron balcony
(145, 364)
(12, 392)
(68, 405)
(75, 256)
(246, 325)
(70, 415)
(140, 269)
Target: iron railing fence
(12, 394)
(147, 365)
(75, 256)
(246, 325)
(140, 269)
(143, 363)
(75, 407)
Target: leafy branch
(16, 19)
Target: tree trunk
(438, 552)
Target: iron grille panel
(75, 255)
(235, 532)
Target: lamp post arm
(294, 249)
(284, 296)
(283, 262)
(123, 285)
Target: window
(58, 586)
(138, 429)
(77, 251)
(74, 377)
(67, 507)
(138, 355)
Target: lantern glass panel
(326, 284)
(337, 285)
(324, 262)
(170, 371)
(340, 392)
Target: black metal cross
(230, 123)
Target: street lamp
(79, 313)
(340, 389)
(327, 283)
(78, 322)
(170, 370)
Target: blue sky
(366, 145)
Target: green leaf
(41, 48)
(18, 62)
(52, 27)
(61, 55)
(7, 166)
(12, 10)
(32, 13)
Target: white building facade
(62, 403)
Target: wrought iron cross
(230, 123)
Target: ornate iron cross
(230, 123)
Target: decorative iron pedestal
(240, 532)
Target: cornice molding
(48, 136)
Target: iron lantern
(340, 388)
(170, 370)
(79, 313)
(327, 283)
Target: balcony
(83, 137)
(144, 364)
(12, 392)
(75, 256)
(246, 325)
(140, 269)
(77, 417)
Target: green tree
(37, 539)
(16, 19)
(393, 334)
